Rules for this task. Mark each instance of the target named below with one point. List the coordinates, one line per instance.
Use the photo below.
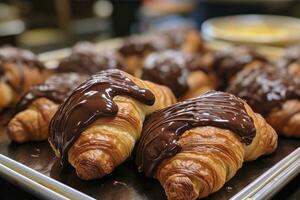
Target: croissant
(136, 48)
(19, 70)
(96, 128)
(273, 93)
(187, 75)
(37, 107)
(227, 63)
(186, 39)
(86, 58)
(290, 61)
(195, 146)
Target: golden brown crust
(193, 42)
(31, 76)
(32, 123)
(205, 162)
(209, 157)
(294, 69)
(7, 95)
(265, 141)
(199, 82)
(109, 141)
(286, 120)
(134, 63)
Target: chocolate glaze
(230, 61)
(167, 68)
(163, 128)
(178, 35)
(141, 44)
(171, 68)
(87, 59)
(265, 88)
(92, 100)
(20, 58)
(56, 89)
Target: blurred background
(51, 24)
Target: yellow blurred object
(253, 29)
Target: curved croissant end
(32, 123)
(211, 156)
(286, 120)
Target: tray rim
(263, 187)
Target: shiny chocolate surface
(91, 100)
(171, 68)
(86, 58)
(56, 88)
(230, 61)
(162, 129)
(139, 45)
(265, 88)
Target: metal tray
(34, 167)
(126, 183)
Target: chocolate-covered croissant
(19, 70)
(273, 93)
(136, 48)
(228, 62)
(86, 58)
(290, 61)
(186, 39)
(187, 75)
(195, 146)
(37, 107)
(96, 128)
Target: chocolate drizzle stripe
(229, 62)
(141, 44)
(265, 88)
(86, 58)
(56, 88)
(163, 128)
(90, 101)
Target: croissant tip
(179, 187)
(87, 170)
(16, 131)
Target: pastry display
(273, 93)
(187, 75)
(290, 60)
(166, 103)
(86, 58)
(229, 61)
(19, 70)
(97, 126)
(37, 107)
(195, 146)
(136, 48)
